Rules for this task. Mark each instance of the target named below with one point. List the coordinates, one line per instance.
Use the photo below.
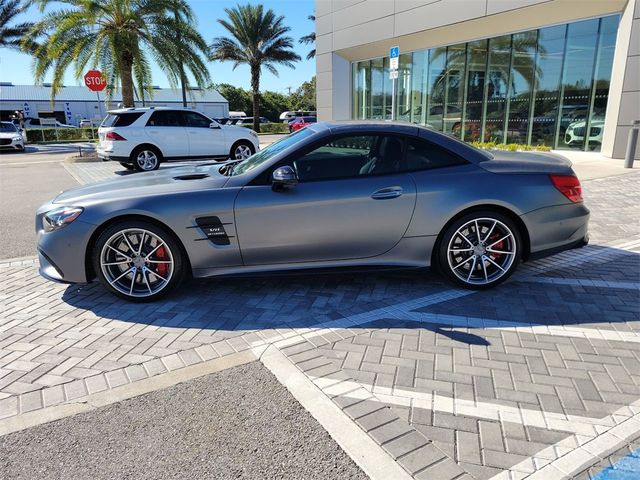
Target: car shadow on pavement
(597, 288)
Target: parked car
(249, 121)
(10, 137)
(36, 123)
(286, 117)
(574, 136)
(87, 123)
(142, 138)
(354, 194)
(301, 122)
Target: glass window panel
(548, 73)
(362, 93)
(419, 86)
(498, 78)
(582, 39)
(403, 85)
(522, 81)
(377, 92)
(454, 92)
(474, 103)
(436, 87)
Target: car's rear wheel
(480, 250)
(146, 159)
(241, 150)
(138, 261)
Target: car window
(423, 155)
(166, 118)
(194, 119)
(120, 119)
(351, 156)
(6, 127)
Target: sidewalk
(590, 165)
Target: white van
(286, 117)
(237, 115)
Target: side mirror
(214, 125)
(284, 177)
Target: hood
(595, 122)
(167, 180)
(9, 134)
(527, 162)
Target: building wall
(350, 30)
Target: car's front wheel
(146, 159)
(138, 261)
(241, 150)
(480, 250)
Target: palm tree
(309, 39)
(257, 40)
(118, 36)
(11, 35)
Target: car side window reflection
(193, 119)
(350, 157)
(166, 118)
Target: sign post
(96, 82)
(394, 57)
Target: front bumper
(62, 252)
(13, 145)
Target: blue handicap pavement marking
(627, 468)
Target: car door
(204, 141)
(344, 206)
(165, 128)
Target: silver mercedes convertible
(332, 195)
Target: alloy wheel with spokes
(241, 151)
(138, 262)
(480, 251)
(146, 160)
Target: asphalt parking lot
(539, 378)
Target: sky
(17, 68)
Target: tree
(304, 98)
(117, 36)
(11, 35)
(239, 99)
(310, 39)
(257, 40)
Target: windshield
(272, 150)
(6, 127)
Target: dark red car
(300, 122)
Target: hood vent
(192, 176)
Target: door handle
(388, 192)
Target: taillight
(114, 137)
(569, 186)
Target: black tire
(483, 269)
(128, 166)
(142, 281)
(151, 153)
(240, 149)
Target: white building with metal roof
(75, 103)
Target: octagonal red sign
(95, 80)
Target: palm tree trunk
(126, 79)
(255, 87)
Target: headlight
(60, 217)
(17, 138)
(253, 133)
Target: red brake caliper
(161, 268)
(498, 246)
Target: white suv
(141, 138)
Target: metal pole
(632, 143)
(99, 106)
(393, 99)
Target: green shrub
(35, 135)
(270, 127)
(511, 147)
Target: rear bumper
(558, 228)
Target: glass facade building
(547, 86)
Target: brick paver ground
(539, 378)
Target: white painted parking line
(582, 282)
(367, 454)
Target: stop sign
(95, 80)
